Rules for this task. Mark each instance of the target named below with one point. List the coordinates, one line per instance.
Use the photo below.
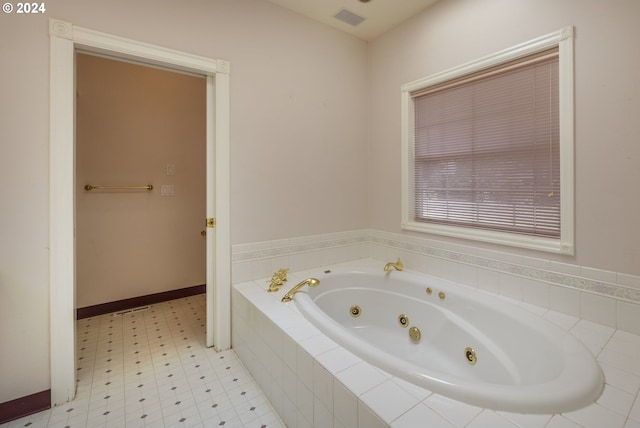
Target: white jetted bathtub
(453, 340)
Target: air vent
(131, 311)
(348, 17)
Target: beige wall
(131, 121)
(298, 111)
(607, 107)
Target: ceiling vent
(348, 17)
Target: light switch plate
(167, 190)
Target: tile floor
(150, 368)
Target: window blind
(486, 149)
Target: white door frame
(65, 39)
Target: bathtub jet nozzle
(311, 282)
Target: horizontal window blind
(487, 149)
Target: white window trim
(565, 244)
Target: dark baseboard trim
(136, 302)
(25, 406)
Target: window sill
(514, 240)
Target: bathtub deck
(311, 381)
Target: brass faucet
(277, 280)
(311, 282)
(397, 265)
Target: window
(488, 148)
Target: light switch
(167, 190)
(171, 169)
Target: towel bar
(90, 187)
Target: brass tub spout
(311, 282)
(397, 265)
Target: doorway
(140, 182)
(65, 40)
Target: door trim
(65, 39)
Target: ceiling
(380, 15)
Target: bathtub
(453, 340)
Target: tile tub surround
(604, 297)
(311, 381)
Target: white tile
(621, 379)
(598, 274)
(536, 293)
(617, 400)
(289, 351)
(338, 359)
(304, 402)
(435, 266)
(632, 281)
(417, 391)
(289, 413)
(565, 268)
(421, 415)
(40, 419)
(628, 316)
(345, 405)
(290, 384)
(274, 337)
(596, 416)
(304, 367)
(591, 333)
(619, 360)
(22, 422)
(559, 421)
(303, 423)
(458, 413)
(302, 332)
(488, 280)
(361, 377)
(628, 337)
(536, 263)
(635, 410)
(323, 386)
(510, 300)
(241, 271)
(510, 286)
(322, 417)
(561, 319)
(599, 309)
(527, 421)
(534, 309)
(489, 418)
(468, 275)
(338, 424)
(368, 419)
(388, 400)
(317, 345)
